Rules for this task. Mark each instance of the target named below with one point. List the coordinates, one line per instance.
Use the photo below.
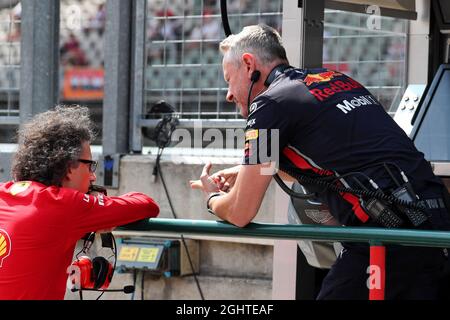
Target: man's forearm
(224, 207)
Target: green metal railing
(310, 232)
(376, 237)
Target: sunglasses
(92, 164)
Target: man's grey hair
(260, 40)
(50, 143)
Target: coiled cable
(328, 182)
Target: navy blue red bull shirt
(324, 122)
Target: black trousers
(412, 273)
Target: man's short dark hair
(50, 143)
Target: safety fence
(376, 237)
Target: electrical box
(408, 106)
(108, 171)
(161, 256)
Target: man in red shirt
(46, 210)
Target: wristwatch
(216, 194)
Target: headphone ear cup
(84, 265)
(102, 272)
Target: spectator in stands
(15, 32)
(164, 29)
(209, 30)
(46, 209)
(98, 21)
(72, 54)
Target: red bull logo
(5, 246)
(320, 77)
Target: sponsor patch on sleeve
(251, 135)
(86, 198)
(251, 123)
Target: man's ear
(69, 174)
(68, 178)
(249, 63)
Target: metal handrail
(283, 231)
(376, 237)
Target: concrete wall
(136, 175)
(230, 268)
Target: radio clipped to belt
(406, 193)
(389, 210)
(389, 216)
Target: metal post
(117, 77)
(377, 272)
(313, 13)
(137, 101)
(419, 45)
(39, 57)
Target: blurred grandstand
(183, 63)
(9, 57)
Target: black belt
(433, 203)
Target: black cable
(134, 282)
(86, 245)
(338, 177)
(305, 179)
(155, 168)
(115, 255)
(249, 96)
(162, 137)
(359, 183)
(291, 192)
(385, 164)
(114, 250)
(391, 175)
(224, 15)
(142, 284)
(84, 250)
(313, 195)
(101, 294)
(158, 168)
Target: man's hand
(206, 182)
(222, 180)
(226, 178)
(241, 204)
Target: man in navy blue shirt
(326, 126)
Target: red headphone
(93, 273)
(88, 273)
